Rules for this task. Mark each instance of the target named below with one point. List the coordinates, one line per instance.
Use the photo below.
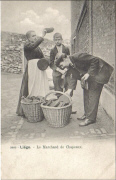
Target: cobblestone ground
(16, 129)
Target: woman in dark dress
(31, 51)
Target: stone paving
(16, 129)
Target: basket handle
(54, 92)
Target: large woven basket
(33, 111)
(57, 116)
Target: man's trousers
(91, 99)
(57, 83)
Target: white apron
(37, 80)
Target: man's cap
(42, 64)
(57, 35)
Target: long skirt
(34, 83)
(23, 91)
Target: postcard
(58, 90)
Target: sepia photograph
(58, 89)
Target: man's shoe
(86, 122)
(82, 118)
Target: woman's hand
(43, 33)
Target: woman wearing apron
(35, 81)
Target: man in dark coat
(31, 51)
(93, 71)
(56, 52)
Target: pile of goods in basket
(55, 103)
(33, 99)
(59, 102)
(32, 108)
(57, 109)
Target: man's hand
(85, 77)
(63, 76)
(60, 70)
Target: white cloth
(37, 80)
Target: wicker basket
(57, 116)
(33, 111)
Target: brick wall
(104, 34)
(76, 8)
(82, 32)
(97, 31)
(104, 30)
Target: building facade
(93, 31)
